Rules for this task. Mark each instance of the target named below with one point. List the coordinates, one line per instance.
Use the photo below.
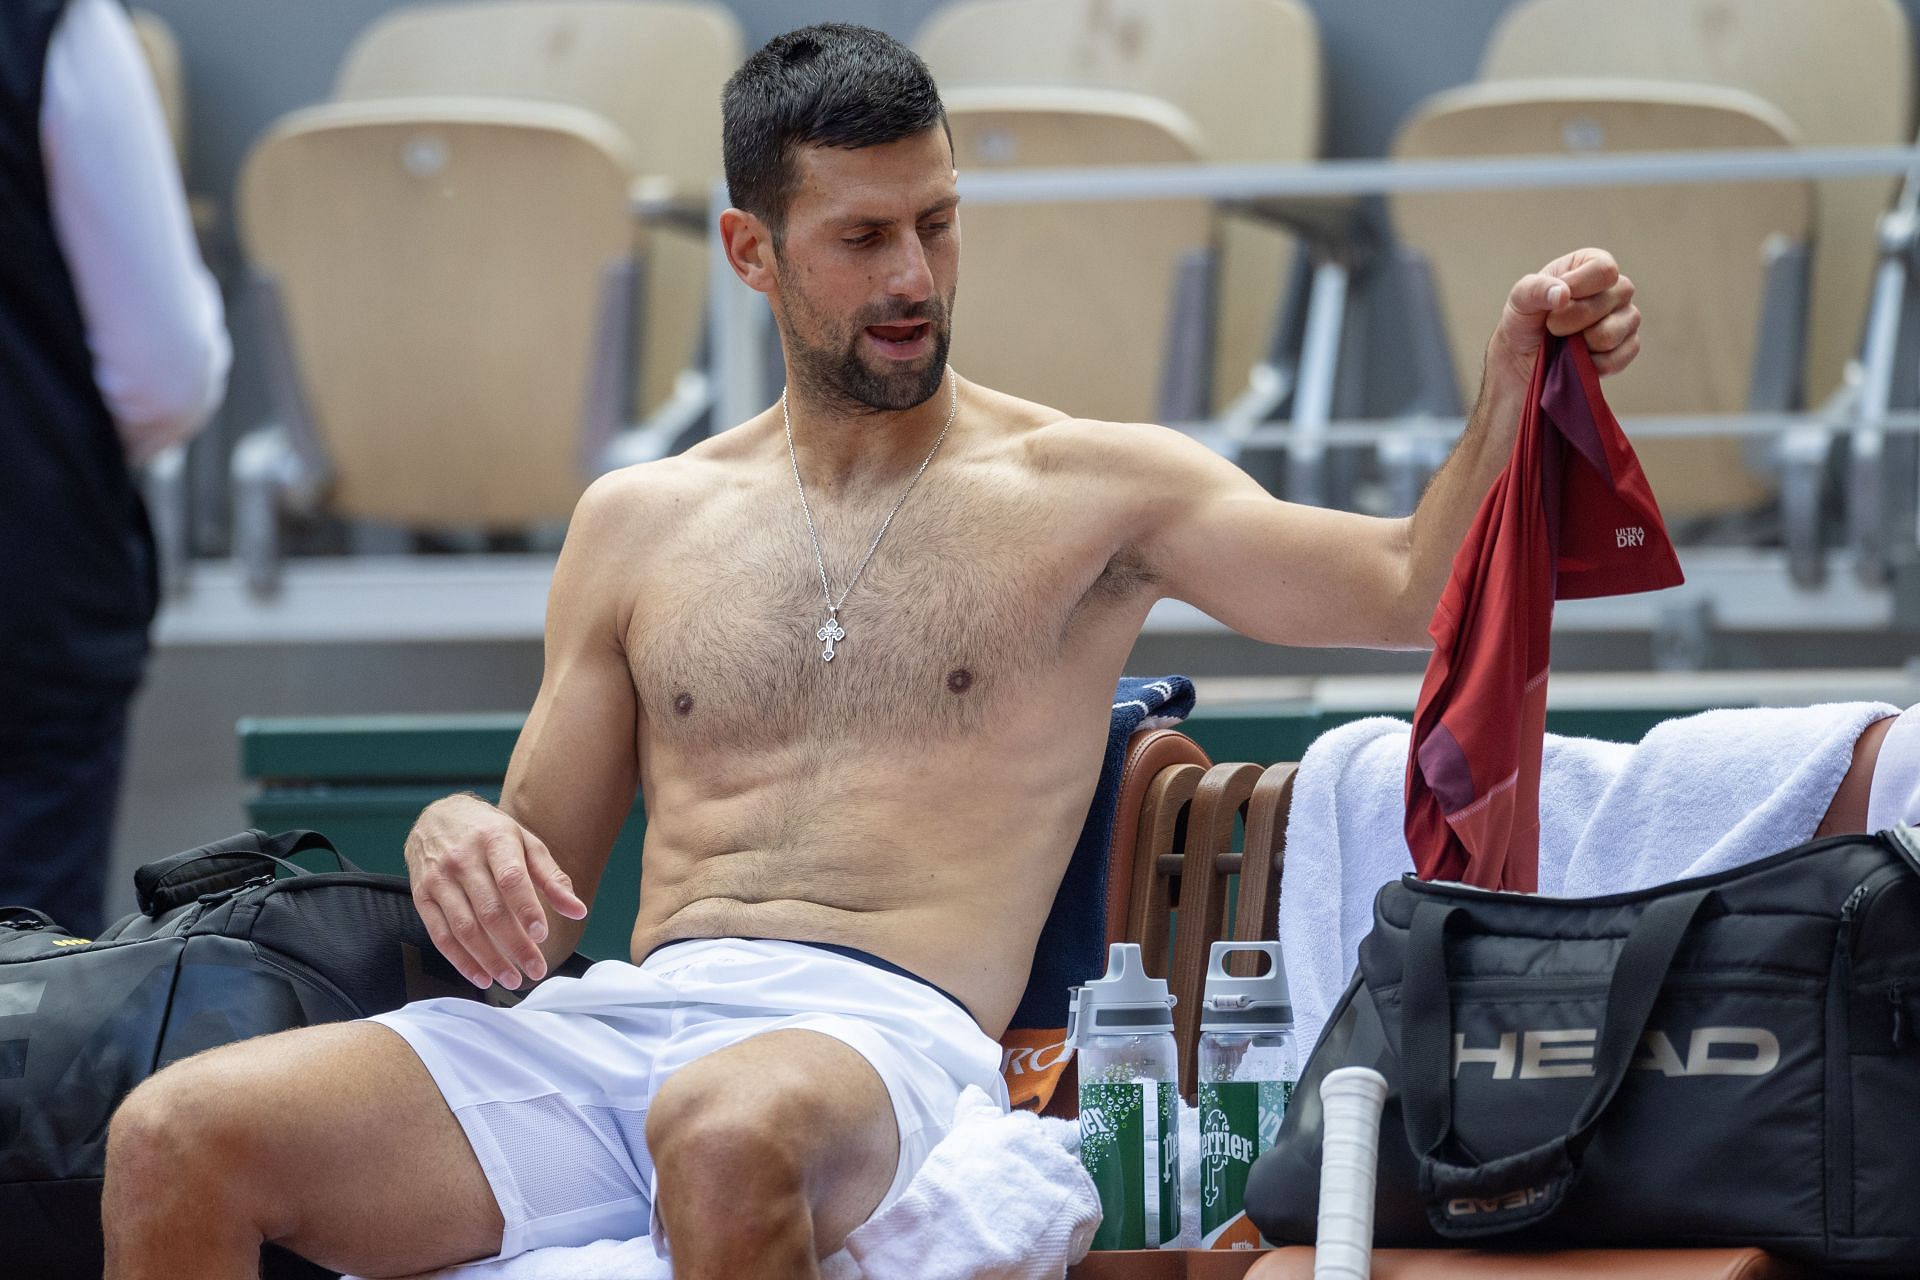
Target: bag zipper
(1864, 894)
(1472, 893)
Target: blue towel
(1073, 945)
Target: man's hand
(478, 879)
(1582, 293)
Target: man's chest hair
(969, 599)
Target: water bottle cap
(1127, 1001)
(1245, 1004)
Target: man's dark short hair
(828, 85)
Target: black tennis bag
(220, 950)
(1727, 1061)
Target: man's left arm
(1290, 574)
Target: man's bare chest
(972, 597)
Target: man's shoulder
(1066, 443)
(651, 490)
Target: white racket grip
(1350, 1102)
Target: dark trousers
(59, 786)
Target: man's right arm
(505, 890)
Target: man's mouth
(900, 338)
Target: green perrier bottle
(1122, 1028)
(1247, 1074)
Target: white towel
(1001, 1197)
(1697, 795)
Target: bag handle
(1519, 1190)
(26, 918)
(174, 881)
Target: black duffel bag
(220, 950)
(1727, 1061)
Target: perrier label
(1130, 1144)
(1238, 1121)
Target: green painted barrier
(362, 780)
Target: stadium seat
(653, 68)
(1042, 275)
(1699, 253)
(1840, 70)
(448, 296)
(162, 53)
(1247, 73)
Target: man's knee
(701, 1132)
(193, 1129)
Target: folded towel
(1697, 795)
(1715, 791)
(1002, 1197)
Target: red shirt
(1571, 517)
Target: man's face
(867, 270)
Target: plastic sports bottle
(1247, 1074)
(1122, 1027)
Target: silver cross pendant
(832, 633)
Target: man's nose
(911, 276)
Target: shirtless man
(914, 799)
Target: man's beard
(837, 374)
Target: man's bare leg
(769, 1153)
(331, 1141)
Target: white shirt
(155, 326)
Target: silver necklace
(833, 633)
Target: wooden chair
(652, 68)
(1840, 70)
(1040, 275)
(1158, 780)
(1174, 865)
(1247, 73)
(1700, 254)
(447, 281)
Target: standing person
(859, 654)
(112, 347)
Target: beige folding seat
(1840, 70)
(1246, 73)
(447, 313)
(653, 68)
(1699, 254)
(1064, 303)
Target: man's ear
(749, 246)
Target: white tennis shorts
(553, 1092)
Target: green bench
(363, 779)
